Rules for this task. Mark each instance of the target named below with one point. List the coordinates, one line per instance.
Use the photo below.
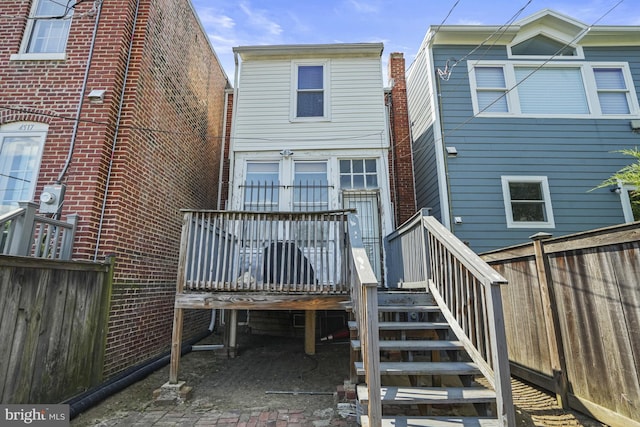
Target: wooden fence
(53, 324)
(572, 312)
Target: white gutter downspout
(116, 131)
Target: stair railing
(466, 289)
(24, 233)
(364, 294)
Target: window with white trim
(20, 154)
(527, 202)
(357, 174)
(534, 89)
(48, 26)
(310, 92)
(630, 198)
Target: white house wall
(357, 116)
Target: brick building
(122, 102)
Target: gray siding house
(513, 126)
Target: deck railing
(467, 291)
(264, 251)
(364, 296)
(24, 233)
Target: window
(310, 99)
(527, 202)
(310, 187)
(358, 174)
(491, 89)
(612, 90)
(262, 188)
(20, 153)
(630, 198)
(48, 27)
(552, 90)
(542, 45)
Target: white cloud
(210, 18)
(259, 19)
(365, 6)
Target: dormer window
(541, 45)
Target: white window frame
(588, 78)
(24, 54)
(546, 194)
(559, 37)
(326, 89)
(30, 130)
(626, 201)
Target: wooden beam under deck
(261, 301)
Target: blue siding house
(513, 126)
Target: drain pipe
(116, 131)
(85, 79)
(92, 397)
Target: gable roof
(546, 21)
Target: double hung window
(48, 27)
(310, 100)
(532, 89)
(527, 202)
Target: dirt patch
(274, 374)
(268, 373)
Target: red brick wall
(166, 155)
(402, 181)
(224, 197)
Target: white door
(367, 207)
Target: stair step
(414, 345)
(407, 326)
(433, 421)
(409, 308)
(430, 395)
(404, 298)
(411, 326)
(423, 368)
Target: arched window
(20, 154)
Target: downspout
(236, 78)
(116, 131)
(85, 80)
(222, 149)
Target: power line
(579, 36)
(538, 68)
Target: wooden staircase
(426, 376)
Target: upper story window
(527, 202)
(541, 45)
(20, 153)
(581, 90)
(310, 92)
(47, 30)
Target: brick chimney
(400, 156)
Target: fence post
(23, 231)
(69, 237)
(551, 322)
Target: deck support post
(232, 333)
(310, 332)
(176, 345)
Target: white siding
(357, 116)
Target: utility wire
(172, 132)
(538, 68)
(580, 35)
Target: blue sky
(399, 24)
